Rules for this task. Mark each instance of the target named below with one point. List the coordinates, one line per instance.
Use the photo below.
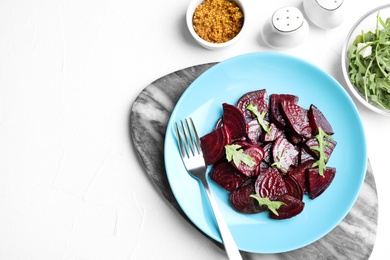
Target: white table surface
(71, 185)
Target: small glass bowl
(209, 45)
(366, 23)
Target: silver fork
(191, 153)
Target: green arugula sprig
(321, 163)
(260, 117)
(278, 164)
(233, 152)
(369, 63)
(272, 205)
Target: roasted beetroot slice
(297, 118)
(213, 144)
(227, 176)
(235, 120)
(299, 173)
(241, 200)
(305, 156)
(270, 184)
(275, 113)
(328, 149)
(257, 154)
(219, 123)
(254, 131)
(284, 154)
(317, 184)
(294, 188)
(292, 207)
(318, 120)
(274, 133)
(244, 144)
(258, 98)
(293, 137)
(268, 153)
(263, 166)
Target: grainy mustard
(217, 21)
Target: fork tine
(189, 137)
(180, 141)
(185, 138)
(194, 136)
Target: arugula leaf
(238, 155)
(278, 164)
(273, 205)
(260, 117)
(321, 163)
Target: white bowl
(366, 23)
(209, 45)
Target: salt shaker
(286, 28)
(326, 14)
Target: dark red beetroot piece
(274, 133)
(219, 123)
(275, 113)
(293, 187)
(305, 156)
(268, 153)
(297, 118)
(241, 200)
(263, 166)
(317, 184)
(227, 176)
(317, 119)
(328, 149)
(244, 144)
(257, 154)
(254, 131)
(270, 184)
(293, 137)
(258, 98)
(299, 173)
(235, 120)
(284, 154)
(213, 144)
(292, 207)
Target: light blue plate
(277, 73)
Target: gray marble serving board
(353, 238)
